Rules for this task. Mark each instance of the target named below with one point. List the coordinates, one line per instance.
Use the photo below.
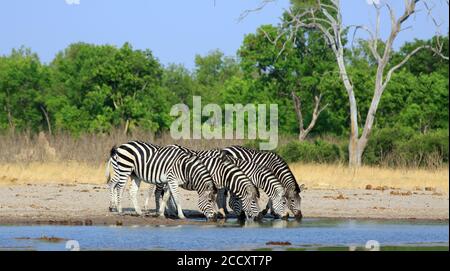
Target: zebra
(226, 175)
(261, 177)
(168, 165)
(280, 169)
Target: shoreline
(87, 204)
(130, 221)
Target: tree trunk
(298, 113)
(12, 127)
(315, 115)
(355, 152)
(47, 119)
(354, 147)
(127, 125)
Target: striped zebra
(226, 175)
(261, 177)
(280, 169)
(168, 165)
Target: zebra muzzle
(298, 215)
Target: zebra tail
(108, 172)
(113, 153)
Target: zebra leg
(162, 206)
(150, 191)
(119, 194)
(159, 193)
(268, 206)
(171, 207)
(112, 197)
(221, 202)
(225, 194)
(173, 188)
(236, 205)
(135, 183)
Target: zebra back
(224, 172)
(269, 159)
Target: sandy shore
(86, 204)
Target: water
(229, 236)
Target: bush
(393, 147)
(318, 151)
(404, 147)
(382, 144)
(425, 150)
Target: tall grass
(26, 148)
(61, 158)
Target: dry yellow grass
(341, 176)
(51, 172)
(312, 175)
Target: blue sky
(175, 30)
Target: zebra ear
(213, 187)
(191, 156)
(224, 157)
(302, 187)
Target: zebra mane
(113, 151)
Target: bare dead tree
(327, 19)
(315, 114)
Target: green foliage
(97, 88)
(425, 150)
(100, 87)
(23, 81)
(318, 151)
(401, 146)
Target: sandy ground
(86, 204)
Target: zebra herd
(238, 171)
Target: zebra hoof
(139, 213)
(222, 213)
(112, 209)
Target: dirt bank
(86, 204)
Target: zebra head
(294, 201)
(250, 203)
(196, 174)
(279, 204)
(207, 202)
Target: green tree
(99, 87)
(23, 83)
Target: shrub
(403, 147)
(318, 151)
(382, 144)
(425, 150)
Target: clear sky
(175, 30)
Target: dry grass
(341, 176)
(41, 158)
(51, 172)
(315, 176)
(28, 148)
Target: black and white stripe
(227, 175)
(167, 165)
(280, 169)
(262, 177)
